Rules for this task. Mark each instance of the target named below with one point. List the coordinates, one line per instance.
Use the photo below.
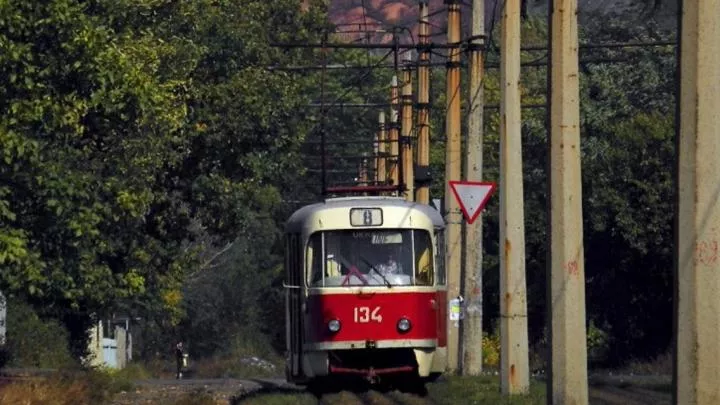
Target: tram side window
(313, 259)
(424, 258)
(440, 257)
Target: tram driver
(390, 266)
(392, 262)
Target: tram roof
(298, 219)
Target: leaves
(137, 138)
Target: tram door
(294, 272)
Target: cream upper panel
(335, 214)
(393, 218)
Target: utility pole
(363, 172)
(566, 295)
(3, 319)
(406, 138)
(453, 161)
(381, 170)
(376, 157)
(514, 370)
(472, 279)
(393, 132)
(423, 115)
(697, 300)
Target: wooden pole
(453, 160)
(406, 138)
(423, 116)
(393, 133)
(697, 303)
(382, 136)
(566, 298)
(514, 370)
(472, 285)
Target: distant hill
(354, 15)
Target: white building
(110, 343)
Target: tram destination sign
(366, 217)
(379, 237)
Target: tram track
(345, 397)
(373, 397)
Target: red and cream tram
(365, 290)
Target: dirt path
(219, 391)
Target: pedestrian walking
(179, 353)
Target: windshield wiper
(352, 271)
(376, 271)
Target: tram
(366, 290)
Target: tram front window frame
(370, 257)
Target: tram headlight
(334, 325)
(404, 325)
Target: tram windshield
(370, 257)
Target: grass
(481, 391)
(55, 391)
(660, 365)
(72, 387)
(230, 367)
(279, 399)
(200, 397)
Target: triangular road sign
(472, 196)
(437, 203)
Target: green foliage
(597, 344)
(92, 124)
(138, 135)
(491, 350)
(229, 299)
(35, 342)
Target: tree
(90, 126)
(138, 136)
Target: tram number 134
(366, 315)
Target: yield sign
(472, 196)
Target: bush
(55, 391)
(66, 388)
(598, 344)
(491, 350)
(4, 356)
(35, 342)
(247, 355)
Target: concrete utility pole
(381, 171)
(406, 138)
(514, 370)
(453, 160)
(472, 286)
(393, 132)
(697, 301)
(566, 298)
(423, 115)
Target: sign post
(471, 196)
